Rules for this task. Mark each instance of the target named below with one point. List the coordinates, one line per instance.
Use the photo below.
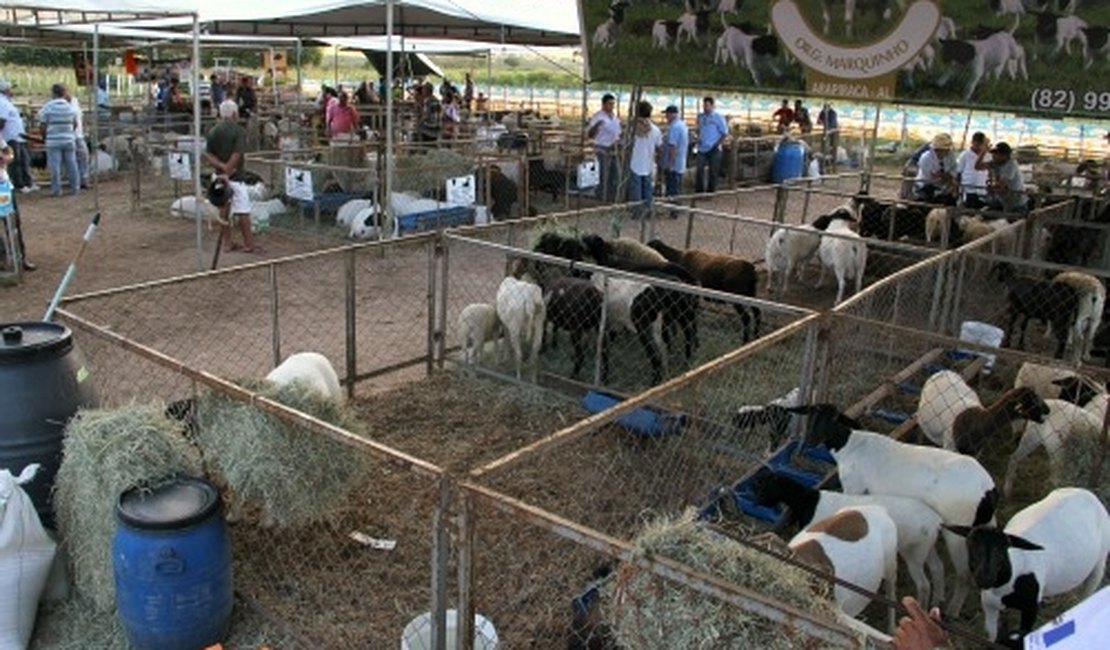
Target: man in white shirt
(935, 181)
(647, 140)
(973, 182)
(605, 129)
(1006, 187)
(674, 154)
(79, 136)
(12, 131)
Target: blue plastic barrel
(172, 563)
(788, 161)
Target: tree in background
(36, 56)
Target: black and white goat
(987, 57)
(1061, 31)
(1095, 42)
(606, 33)
(744, 45)
(1051, 302)
(790, 249)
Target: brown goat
(976, 425)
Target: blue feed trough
(645, 422)
(891, 415)
(743, 493)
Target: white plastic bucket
(417, 635)
(984, 334)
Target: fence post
(938, 290)
(805, 201)
(275, 321)
(822, 360)
(805, 382)
(352, 360)
(956, 298)
(441, 551)
(782, 195)
(440, 335)
(464, 618)
(601, 330)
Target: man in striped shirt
(60, 123)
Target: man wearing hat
(12, 132)
(674, 154)
(1005, 187)
(935, 181)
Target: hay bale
(294, 477)
(107, 452)
(1075, 463)
(429, 172)
(646, 612)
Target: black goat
(576, 305)
(1055, 303)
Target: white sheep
(258, 192)
(1049, 548)
(634, 252)
(935, 223)
(263, 211)
(954, 485)
(364, 224)
(918, 525)
(521, 309)
(346, 213)
(950, 414)
(857, 544)
(478, 324)
(185, 206)
(787, 250)
(1092, 300)
(104, 163)
(845, 253)
(312, 369)
(1042, 379)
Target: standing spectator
(60, 121)
(10, 208)
(468, 92)
(830, 136)
(452, 114)
(342, 120)
(481, 104)
(642, 161)
(80, 141)
(712, 130)
(225, 146)
(1005, 187)
(605, 129)
(674, 154)
(217, 92)
(801, 117)
(935, 182)
(362, 95)
(503, 194)
(973, 182)
(783, 117)
(245, 98)
(431, 115)
(13, 132)
(102, 99)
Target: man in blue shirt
(674, 154)
(712, 130)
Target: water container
(417, 635)
(788, 162)
(983, 334)
(172, 562)
(43, 381)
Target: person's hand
(919, 631)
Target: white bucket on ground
(984, 334)
(417, 635)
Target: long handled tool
(72, 269)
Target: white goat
(857, 544)
(478, 323)
(845, 253)
(950, 414)
(346, 213)
(364, 224)
(185, 206)
(788, 249)
(955, 486)
(521, 309)
(1049, 548)
(1065, 420)
(1092, 300)
(313, 370)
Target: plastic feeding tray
(645, 422)
(460, 215)
(743, 492)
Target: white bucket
(983, 334)
(417, 635)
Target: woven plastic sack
(26, 554)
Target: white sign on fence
(588, 175)
(461, 190)
(180, 169)
(298, 183)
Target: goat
(313, 370)
(772, 415)
(721, 272)
(955, 486)
(981, 57)
(693, 25)
(843, 251)
(346, 212)
(576, 305)
(520, 308)
(918, 525)
(1048, 548)
(950, 413)
(935, 222)
(638, 308)
(663, 33)
(788, 249)
(606, 33)
(891, 221)
(1050, 302)
(478, 324)
(1063, 30)
(751, 50)
(1095, 41)
(1064, 421)
(1088, 317)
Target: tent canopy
(409, 64)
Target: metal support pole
(300, 48)
(601, 331)
(94, 135)
(275, 312)
(806, 381)
(352, 340)
(387, 188)
(441, 328)
(441, 551)
(195, 75)
(434, 249)
(464, 638)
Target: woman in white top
(648, 138)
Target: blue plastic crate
(645, 422)
(459, 215)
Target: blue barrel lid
(19, 341)
(177, 503)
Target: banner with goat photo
(1044, 56)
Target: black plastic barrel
(43, 381)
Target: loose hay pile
(293, 477)
(107, 452)
(428, 172)
(646, 612)
(1076, 463)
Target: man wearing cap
(225, 147)
(605, 129)
(935, 181)
(674, 154)
(60, 123)
(12, 131)
(712, 130)
(1005, 187)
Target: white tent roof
(423, 45)
(135, 35)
